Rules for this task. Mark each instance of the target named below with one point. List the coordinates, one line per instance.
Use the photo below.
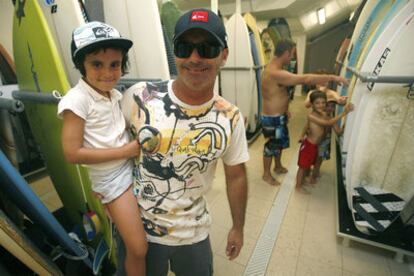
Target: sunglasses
(184, 49)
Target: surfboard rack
(369, 77)
(11, 105)
(37, 97)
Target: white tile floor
(306, 243)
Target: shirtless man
(275, 113)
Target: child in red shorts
(315, 125)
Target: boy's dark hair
(284, 45)
(316, 95)
(80, 58)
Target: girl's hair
(316, 95)
(80, 57)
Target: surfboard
(281, 25)
(237, 76)
(270, 36)
(40, 70)
(259, 60)
(356, 98)
(62, 18)
(141, 23)
(369, 19)
(19, 245)
(14, 185)
(252, 26)
(253, 121)
(341, 55)
(380, 156)
(363, 56)
(169, 17)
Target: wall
(321, 51)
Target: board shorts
(276, 133)
(324, 148)
(308, 153)
(110, 184)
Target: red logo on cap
(200, 16)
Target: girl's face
(103, 69)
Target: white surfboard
(140, 22)
(237, 76)
(392, 21)
(370, 18)
(63, 17)
(381, 158)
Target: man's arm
(236, 180)
(286, 78)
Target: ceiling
(300, 14)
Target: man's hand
(341, 80)
(234, 243)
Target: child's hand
(342, 100)
(349, 107)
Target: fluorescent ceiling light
(321, 16)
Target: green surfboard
(39, 70)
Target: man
(275, 113)
(183, 129)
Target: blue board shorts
(276, 133)
(324, 147)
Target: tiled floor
(306, 243)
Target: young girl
(94, 132)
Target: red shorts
(308, 153)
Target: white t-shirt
(105, 125)
(172, 181)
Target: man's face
(196, 72)
(290, 55)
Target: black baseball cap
(96, 33)
(202, 19)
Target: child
(315, 126)
(324, 147)
(94, 132)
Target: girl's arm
(72, 141)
